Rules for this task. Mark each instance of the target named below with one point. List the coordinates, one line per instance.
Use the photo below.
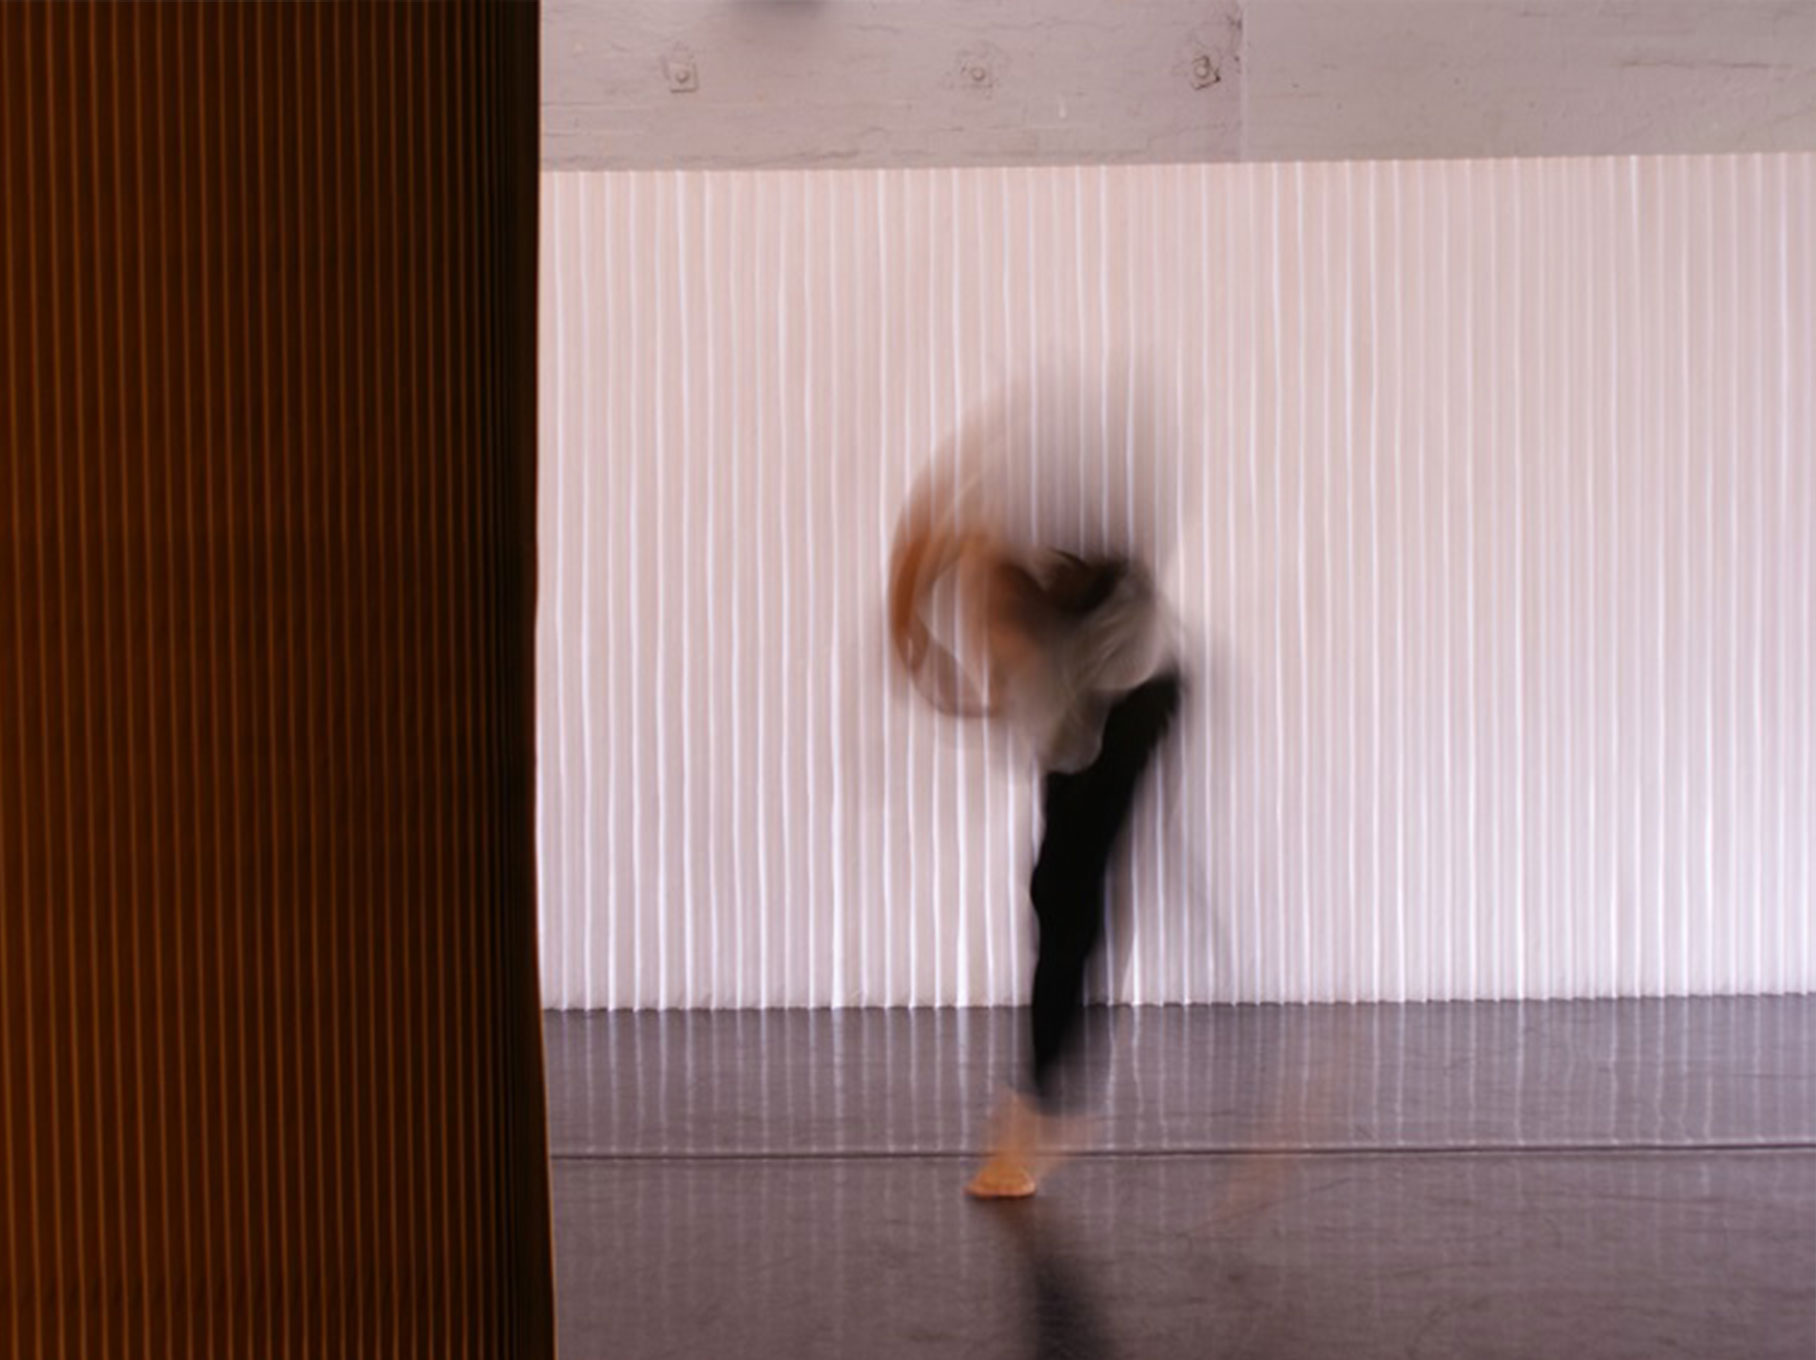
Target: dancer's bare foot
(1026, 1144)
(1001, 1178)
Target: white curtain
(1486, 494)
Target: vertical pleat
(268, 993)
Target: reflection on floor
(1566, 1179)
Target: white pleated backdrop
(1488, 503)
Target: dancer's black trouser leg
(1084, 816)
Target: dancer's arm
(925, 550)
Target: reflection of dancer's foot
(1066, 1320)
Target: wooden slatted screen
(268, 996)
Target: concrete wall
(749, 83)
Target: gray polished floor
(1559, 1179)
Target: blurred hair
(1076, 585)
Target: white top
(1059, 702)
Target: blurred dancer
(1077, 655)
